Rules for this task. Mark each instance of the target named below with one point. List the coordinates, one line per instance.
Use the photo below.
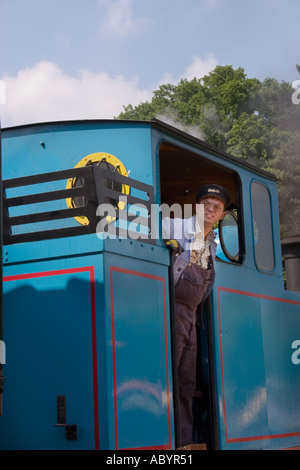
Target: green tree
(286, 166)
(231, 91)
(211, 103)
(251, 138)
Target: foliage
(245, 117)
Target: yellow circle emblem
(107, 161)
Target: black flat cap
(214, 190)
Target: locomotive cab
(182, 172)
(236, 404)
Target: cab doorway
(182, 172)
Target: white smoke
(173, 120)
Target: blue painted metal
(65, 144)
(90, 318)
(79, 312)
(64, 323)
(255, 324)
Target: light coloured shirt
(200, 251)
(183, 230)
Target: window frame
(262, 266)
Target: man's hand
(174, 247)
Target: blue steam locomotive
(88, 318)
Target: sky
(86, 59)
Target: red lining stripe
(260, 296)
(157, 278)
(91, 271)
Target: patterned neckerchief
(200, 251)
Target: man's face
(213, 210)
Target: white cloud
(200, 67)
(44, 93)
(118, 20)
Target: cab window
(262, 227)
